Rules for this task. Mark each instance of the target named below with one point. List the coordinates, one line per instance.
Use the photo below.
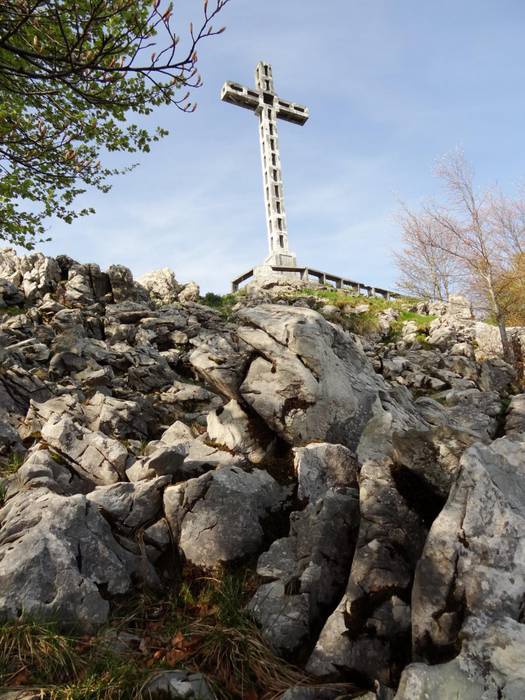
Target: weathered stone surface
(9, 294)
(308, 570)
(217, 518)
(489, 667)
(86, 284)
(190, 292)
(34, 274)
(322, 466)
(66, 405)
(433, 452)
(230, 427)
(19, 387)
(496, 375)
(220, 360)
(515, 420)
(369, 632)
(118, 418)
(310, 380)
(473, 562)
(9, 439)
(177, 685)
(161, 285)
(58, 558)
(94, 456)
(41, 469)
(130, 506)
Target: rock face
(306, 572)
(490, 666)
(369, 632)
(216, 518)
(58, 557)
(308, 380)
(372, 484)
(472, 564)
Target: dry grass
(202, 626)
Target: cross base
(285, 259)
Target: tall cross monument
(269, 108)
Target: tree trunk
(508, 353)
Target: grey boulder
(218, 517)
(309, 380)
(59, 560)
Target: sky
(392, 86)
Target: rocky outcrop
(368, 634)
(472, 564)
(218, 518)
(373, 484)
(308, 380)
(58, 558)
(305, 573)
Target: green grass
(7, 469)
(367, 322)
(12, 310)
(223, 304)
(201, 625)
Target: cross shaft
(269, 108)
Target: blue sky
(392, 85)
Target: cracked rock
(94, 456)
(310, 380)
(473, 563)
(59, 560)
(369, 631)
(218, 517)
(307, 571)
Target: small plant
(12, 310)
(222, 304)
(34, 649)
(7, 469)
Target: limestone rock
(118, 418)
(322, 466)
(433, 453)
(9, 294)
(86, 285)
(220, 360)
(515, 420)
(310, 381)
(472, 564)
(369, 631)
(95, 457)
(58, 558)
(177, 685)
(496, 375)
(217, 518)
(307, 571)
(161, 286)
(230, 427)
(33, 274)
(459, 307)
(489, 667)
(130, 506)
(190, 292)
(19, 387)
(41, 469)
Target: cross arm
(291, 112)
(241, 96)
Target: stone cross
(269, 107)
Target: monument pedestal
(284, 259)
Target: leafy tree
(478, 235)
(71, 72)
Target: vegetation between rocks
(202, 626)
